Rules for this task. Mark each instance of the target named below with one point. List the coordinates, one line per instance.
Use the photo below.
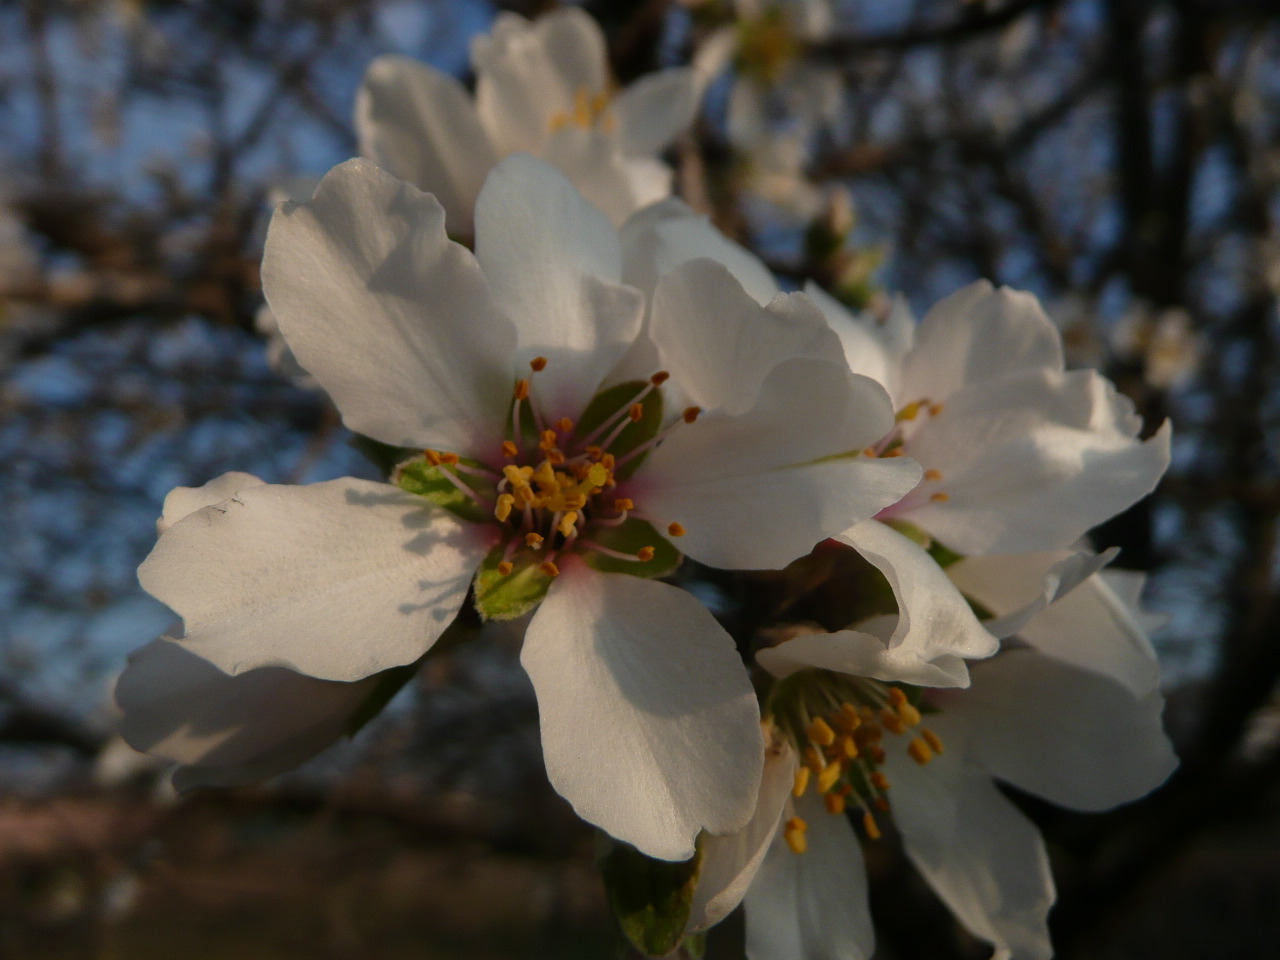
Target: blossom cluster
(583, 383)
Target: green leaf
(417, 476)
(606, 404)
(630, 537)
(512, 596)
(651, 898)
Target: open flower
(554, 480)
(541, 88)
(1069, 715)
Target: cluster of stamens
(893, 446)
(588, 110)
(842, 751)
(556, 483)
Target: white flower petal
(863, 653)
(983, 858)
(421, 125)
(812, 905)
(393, 319)
(616, 183)
(650, 727)
(661, 237)
(750, 490)
(1031, 462)
(719, 344)
(1076, 618)
(934, 619)
(181, 502)
(976, 334)
(229, 730)
(526, 73)
(551, 259)
(337, 580)
(730, 862)
(1072, 736)
(871, 349)
(655, 109)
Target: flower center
(589, 110)
(838, 725)
(894, 444)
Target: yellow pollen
(675, 529)
(908, 714)
(564, 425)
(869, 825)
(509, 449)
(879, 780)
(829, 776)
(533, 540)
(645, 554)
(623, 504)
(834, 803)
(538, 364)
(936, 409)
(892, 722)
(660, 378)
(820, 732)
(940, 497)
(549, 568)
(933, 740)
(636, 412)
(934, 475)
(504, 569)
(909, 412)
(690, 414)
(503, 510)
(568, 522)
(849, 747)
(801, 783)
(793, 833)
(432, 456)
(919, 751)
(522, 390)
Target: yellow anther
(879, 780)
(813, 759)
(645, 554)
(504, 569)
(876, 751)
(910, 411)
(548, 441)
(623, 504)
(517, 475)
(533, 540)
(538, 364)
(849, 748)
(545, 476)
(582, 112)
(607, 461)
(880, 803)
(896, 696)
(849, 718)
(869, 451)
(895, 452)
(869, 825)
(660, 378)
(432, 456)
(919, 751)
(522, 390)
(936, 409)
(559, 121)
(933, 740)
(509, 449)
(449, 459)
(892, 722)
(675, 529)
(830, 776)
(636, 412)
(793, 833)
(505, 504)
(567, 523)
(820, 732)
(549, 568)
(940, 497)
(594, 452)
(555, 456)
(690, 414)
(934, 475)
(834, 803)
(801, 783)
(564, 425)
(908, 714)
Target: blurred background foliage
(1120, 158)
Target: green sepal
(944, 556)
(651, 898)
(512, 596)
(911, 532)
(607, 403)
(695, 945)
(631, 536)
(415, 475)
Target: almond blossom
(1071, 714)
(561, 437)
(542, 87)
